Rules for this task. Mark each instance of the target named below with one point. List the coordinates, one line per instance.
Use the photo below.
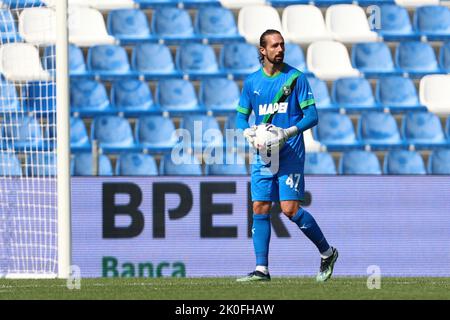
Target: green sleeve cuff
(243, 110)
(307, 103)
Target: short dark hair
(263, 42)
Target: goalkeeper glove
(282, 135)
(250, 134)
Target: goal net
(34, 153)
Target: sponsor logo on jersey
(270, 108)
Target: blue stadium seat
(219, 94)
(403, 162)
(216, 24)
(439, 162)
(359, 162)
(10, 165)
(284, 3)
(319, 163)
(155, 133)
(423, 130)
(447, 128)
(79, 139)
(398, 94)
(237, 167)
(321, 95)
(77, 65)
(184, 165)
(444, 57)
(113, 133)
(153, 61)
(294, 56)
(82, 165)
(41, 164)
(353, 94)
(26, 135)
(132, 97)
(433, 22)
(239, 59)
(172, 24)
(177, 95)
(336, 131)
(128, 25)
(395, 24)
(8, 29)
(379, 130)
(19, 4)
(373, 59)
(196, 59)
(40, 96)
(108, 61)
(416, 58)
(89, 97)
(208, 128)
(8, 97)
(136, 164)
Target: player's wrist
(291, 131)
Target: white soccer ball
(263, 134)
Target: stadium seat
(439, 162)
(236, 168)
(155, 132)
(416, 58)
(184, 164)
(196, 59)
(444, 57)
(336, 131)
(433, 22)
(177, 95)
(219, 94)
(254, 20)
(237, 4)
(348, 24)
(353, 94)
(10, 165)
(379, 131)
(39, 97)
(239, 59)
(416, 3)
(359, 162)
(319, 163)
(8, 97)
(395, 24)
(397, 93)
(87, 28)
(20, 4)
(82, 165)
(293, 55)
(113, 133)
(153, 60)
(108, 60)
(403, 162)
(171, 23)
(20, 62)
(79, 138)
(26, 134)
(38, 26)
(132, 97)
(373, 59)
(8, 29)
(77, 66)
(329, 60)
(128, 25)
(136, 164)
(304, 24)
(89, 97)
(423, 130)
(434, 93)
(321, 95)
(41, 164)
(204, 131)
(216, 24)
(97, 4)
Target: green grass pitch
(227, 289)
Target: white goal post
(35, 202)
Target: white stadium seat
(98, 4)
(20, 62)
(348, 23)
(87, 27)
(311, 145)
(416, 3)
(329, 60)
(434, 93)
(237, 4)
(38, 26)
(304, 24)
(254, 20)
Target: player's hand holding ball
(250, 135)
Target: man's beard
(276, 62)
